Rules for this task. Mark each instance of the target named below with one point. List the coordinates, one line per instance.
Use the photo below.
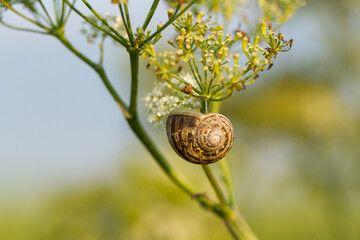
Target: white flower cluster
(163, 99)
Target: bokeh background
(71, 169)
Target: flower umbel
(217, 72)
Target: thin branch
(228, 182)
(198, 81)
(7, 5)
(117, 39)
(22, 29)
(171, 20)
(209, 174)
(100, 70)
(198, 74)
(101, 47)
(62, 15)
(134, 62)
(56, 11)
(150, 14)
(126, 25)
(127, 15)
(69, 12)
(214, 183)
(104, 22)
(46, 12)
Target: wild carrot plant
(207, 65)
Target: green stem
(234, 222)
(198, 81)
(8, 6)
(134, 63)
(216, 99)
(56, 11)
(198, 75)
(150, 14)
(62, 15)
(135, 125)
(228, 181)
(231, 229)
(171, 20)
(170, 172)
(239, 227)
(108, 33)
(99, 69)
(127, 15)
(210, 176)
(126, 25)
(46, 12)
(137, 128)
(69, 12)
(101, 47)
(22, 29)
(104, 21)
(215, 108)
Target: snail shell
(199, 138)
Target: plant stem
(215, 108)
(104, 21)
(99, 69)
(236, 224)
(210, 176)
(126, 24)
(56, 12)
(139, 131)
(108, 33)
(171, 20)
(8, 6)
(228, 181)
(137, 128)
(127, 15)
(46, 12)
(69, 12)
(134, 63)
(150, 14)
(22, 29)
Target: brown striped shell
(199, 138)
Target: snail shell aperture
(199, 138)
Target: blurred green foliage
(295, 165)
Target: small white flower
(163, 99)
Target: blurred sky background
(297, 153)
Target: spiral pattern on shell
(199, 138)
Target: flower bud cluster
(277, 42)
(215, 49)
(192, 31)
(220, 74)
(256, 55)
(216, 71)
